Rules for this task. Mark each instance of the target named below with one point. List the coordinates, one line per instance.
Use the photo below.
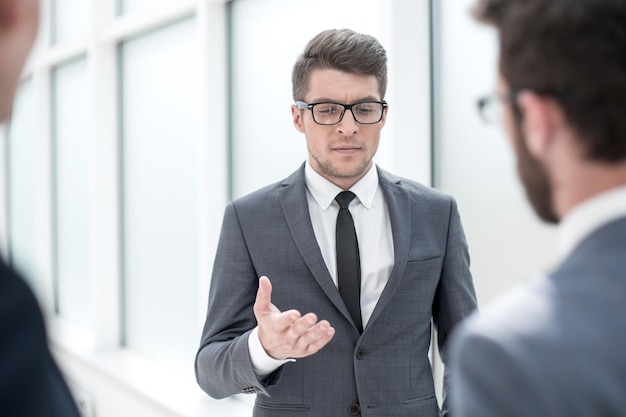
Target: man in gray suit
(556, 347)
(300, 342)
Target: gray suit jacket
(554, 348)
(384, 371)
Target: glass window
(130, 6)
(70, 112)
(70, 20)
(160, 101)
(265, 145)
(22, 183)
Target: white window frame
(95, 352)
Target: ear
(541, 118)
(296, 114)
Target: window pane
(266, 146)
(70, 20)
(160, 101)
(22, 187)
(129, 6)
(71, 133)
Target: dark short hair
(343, 50)
(575, 51)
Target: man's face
(531, 171)
(341, 153)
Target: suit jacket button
(354, 409)
(360, 353)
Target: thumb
(263, 303)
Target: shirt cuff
(262, 363)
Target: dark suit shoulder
(19, 308)
(570, 311)
(557, 336)
(30, 381)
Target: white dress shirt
(589, 216)
(373, 229)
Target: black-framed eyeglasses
(490, 107)
(329, 113)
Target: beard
(329, 170)
(534, 178)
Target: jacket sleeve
(455, 298)
(223, 366)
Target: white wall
(474, 162)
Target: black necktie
(348, 262)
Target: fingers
(263, 301)
(313, 339)
(283, 338)
(302, 325)
(284, 322)
(307, 335)
(288, 334)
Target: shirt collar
(324, 191)
(588, 216)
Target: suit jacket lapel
(397, 199)
(295, 208)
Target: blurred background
(136, 121)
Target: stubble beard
(329, 170)
(535, 180)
